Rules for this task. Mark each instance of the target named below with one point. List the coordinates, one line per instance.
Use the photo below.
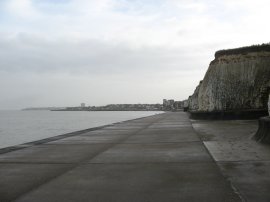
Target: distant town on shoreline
(168, 105)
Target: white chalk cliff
(238, 79)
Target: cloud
(22, 9)
(135, 47)
(30, 53)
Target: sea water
(17, 127)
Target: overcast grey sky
(64, 52)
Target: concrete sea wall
(263, 133)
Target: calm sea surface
(17, 127)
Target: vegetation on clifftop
(243, 50)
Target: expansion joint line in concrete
(73, 166)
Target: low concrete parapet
(263, 133)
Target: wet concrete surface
(157, 158)
(242, 160)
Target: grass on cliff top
(244, 50)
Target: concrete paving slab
(180, 120)
(235, 130)
(154, 153)
(107, 132)
(136, 124)
(137, 182)
(54, 153)
(251, 179)
(168, 131)
(167, 121)
(129, 128)
(164, 127)
(90, 139)
(171, 123)
(17, 179)
(238, 150)
(160, 136)
(243, 161)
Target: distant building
(168, 104)
(185, 105)
(82, 105)
(171, 105)
(178, 105)
(165, 102)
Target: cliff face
(269, 104)
(234, 81)
(193, 99)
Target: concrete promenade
(159, 158)
(242, 160)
